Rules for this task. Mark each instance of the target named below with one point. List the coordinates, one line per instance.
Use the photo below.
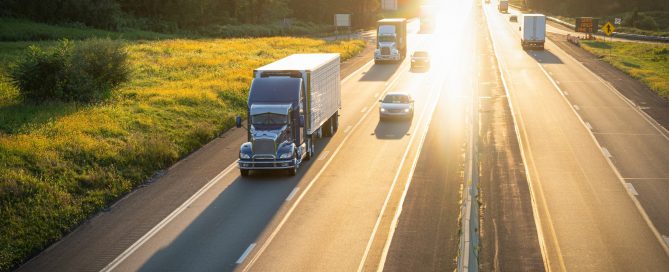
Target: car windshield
(420, 54)
(269, 119)
(386, 39)
(396, 99)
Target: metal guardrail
(620, 35)
(469, 245)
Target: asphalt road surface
(582, 182)
(582, 145)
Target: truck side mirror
(238, 121)
(301, 120)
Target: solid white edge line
(430, 108)
(120, 258)
(636, 202)
(533, 197)
(246, 253)
(311, 183)
(292, 193)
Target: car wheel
(244, 172)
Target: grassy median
(646, 62)
(62, 162)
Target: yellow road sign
(608, 28)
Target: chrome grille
(385, 51)
(264, 147)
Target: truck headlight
(244, 156)
(286, 155)
(406, 110)
(383, 110)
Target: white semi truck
(533, 29)
(391, 40)
(291, 103)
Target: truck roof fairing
(280, 90)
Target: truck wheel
(327, 128)
(293, 171)
(244, 172)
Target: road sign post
(342, 21)
(608, 29)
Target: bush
(86, 72)
(95, 13)
(647, 23)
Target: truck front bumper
(387, 57)
(266, 164)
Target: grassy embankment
(646, 62)
(62, 162)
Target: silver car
(420, 59)
(396, 105)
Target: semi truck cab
(391, 40)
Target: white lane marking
(662, 130)
(631, 189)
(129, 251)
(606, 152)
(246, 253)
(608, 160)
(576, 107)
(323, 155)
(348, 128)
(292, 194)
(565, 93)
(357, 71)
(290, 211)
(398, 211)
(558, 82)
(666, 239)
(364, 109)
(588, 125)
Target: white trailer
(534, 31)
(322, 85)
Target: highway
(583, 146)
(575, 176)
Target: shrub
(86, 72)
(647, 23)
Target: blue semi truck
(292, 102)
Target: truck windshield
(386, 39)
(269, 119)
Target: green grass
(648, 63)
(62, 162)
(24, 30)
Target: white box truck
(533, 29)
(291, 103)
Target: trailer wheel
(327, 128)
(244, 172)
(335, 123)
(310, 148)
